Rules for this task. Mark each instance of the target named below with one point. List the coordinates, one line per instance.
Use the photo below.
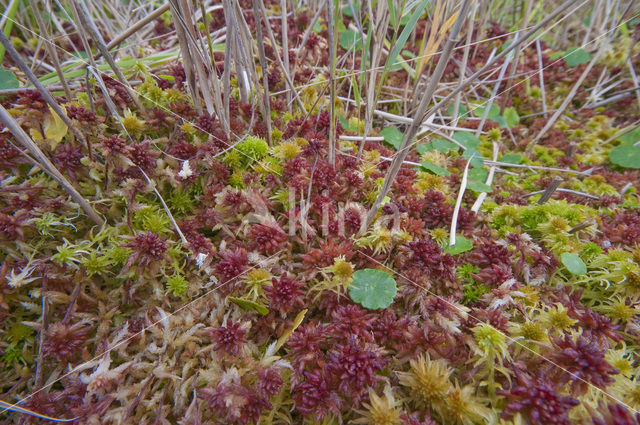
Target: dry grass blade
(463, 65)
(376, 41)
(437, 32)
(75, 21)
(419, 115)
(90, 26)
(263, 65)
(285, 71)
(494, 94)
(456, 209)
(50, 48)
(197, 62)
(541, 76)
(238, 54)
(572, 93)
(44, 320)
(136, 27)
(331, 15)
(186, 54)
(46, 165)
(246, 51)
(285, 39)
(43, 91)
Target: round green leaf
(439, 145)
(630, 138)
(462, 245)
(373, 289)
(573, 263)
(575, 57)
(8, 79)
(444, 146)
(477, 186)
(466, 139)
(462, 110)
(494, 111)
(478, 174)
(511, 117)
(627, 156)
(512, 158)
(348, 38)
(475, 157)
(392, 136)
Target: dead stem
(45, 164)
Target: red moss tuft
(148, 248)
(582, 361)
(229, 338)
(284, 294)
(233, 263)
(266, 239)
(538, 401)
(65, 342)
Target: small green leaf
(631, 138)
(81, 55)
(511, 117)
(348, 38)
(444, 146)
(356, 91)
(423, 148)
(346, 125)
(575, 57)
(494, 111)
(573, 263)
(373, 289)
(512, 158)
(462, 110)
(392, 136)
(477, 186)
(462, 245)
(502, 123)
(627, 156)
(477, 160)
(8, 79)
(556, 55)
(250, 305)
(435, 169)
(439, 145)
(466, 139)
(347, 11)
(478, 174)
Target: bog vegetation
(399, 212)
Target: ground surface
(259, 303)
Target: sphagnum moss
(235, 308)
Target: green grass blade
(406, 32)
(11, 14)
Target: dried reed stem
(420, 114)
(46, 165)
(43, 91)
